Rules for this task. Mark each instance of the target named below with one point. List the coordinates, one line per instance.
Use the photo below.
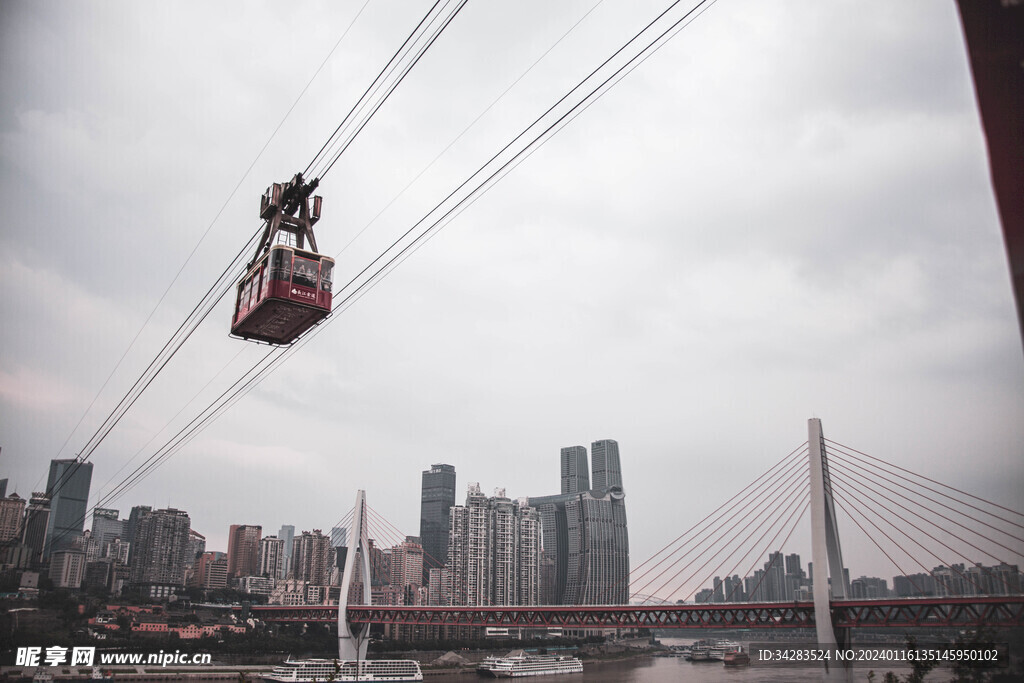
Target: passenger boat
(309, 670)
(518, 663)
(718, 650)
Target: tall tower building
(37, 519)
(286, 534)
(436, 501)
(106, 526)
(311, 557)
(494, 551)
(575, 471)
(271, 557)
(585, 537)
(159, 550)
(68, 488)
(607, 470)
(243, 549)
(12, 510)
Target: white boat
(309, 670)
(518, 663)
(720, 649)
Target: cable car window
(246, 293)
(305, 272)
(281, 264)
(255, 290)
(326, 273)
(264, 282)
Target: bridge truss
(997, 611)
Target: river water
(679, 670)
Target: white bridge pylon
(825, 550)
(353, 640)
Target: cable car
(286, 289)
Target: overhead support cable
(357, 290)
(873, 506)
(789, 484)
(709, 535)
(792, 494)
(771, 544)
(938, 483)
(864, 479)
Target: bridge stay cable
(865, 480)
(791, 483)
(841, 489)
(796, 522)
(956, 552)
(794, 497)
(791, 500)
(782, 478)
(716, 510)
(933, 481)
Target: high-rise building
(575, 470)
(106, 526)
(585, 537)
(158, 551)
(12, 510)
(436, 501)
(407, 567)
(271, 557)
(67, 568)
(286, 534)
(243, 549)
(196, 547)
(68, 488)
(494, 551)
(604, 455)
(129, 529)
(311, 557)
(339, 537)
(37, 519)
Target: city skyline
(784, 213)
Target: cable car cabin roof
(287, 292)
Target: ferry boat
(738, 658)
(720, 649)
(309, 670)
(518, 663)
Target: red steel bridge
(893, 613)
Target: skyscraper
(106, 526)
(311, 557)
(271, 557)
(436, 501)
(607, 469)
(586, 542)
(37, 519)
(12, 510)
(243, 549)
(159, 549)
(494, 551)
(68, 488)
(286, 534)
(575, 471)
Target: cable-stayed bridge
(922, 521)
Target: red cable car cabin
(288, 289)
(283, 295)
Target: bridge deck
(896, 613)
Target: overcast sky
(785, 213)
